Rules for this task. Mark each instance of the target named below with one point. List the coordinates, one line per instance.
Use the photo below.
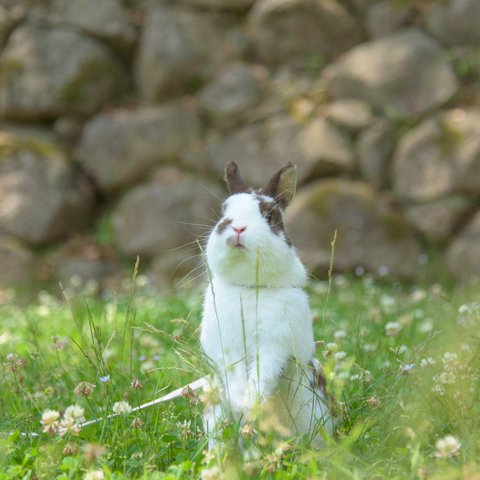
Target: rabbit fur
(257, 326)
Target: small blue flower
(105, 379)
(408, 367)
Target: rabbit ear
(282, 185)
(234, 180)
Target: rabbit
(256, 327)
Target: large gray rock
(385, 17)
(120, 147)
(105, 19)
(153, 218)
(184, 267)
(318, 148)
(454, 22)
(386, 73)
(375, 147)
(439, 156)
(46, 72)
(463, 255)
(326, 149)
(293, 32)
(81, 260)
(17, 263)
(360, 7)
(370, 233)
(178, 50)
(253, 147)
(351, 114)
(8, 18)
(236, 89)
(221, 4)
(437, 220)
(41, 198)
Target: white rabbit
(257, 325)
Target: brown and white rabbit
(257, 325)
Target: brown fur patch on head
(222, 225)
(271, 212)
(234, 180)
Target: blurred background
(118, 116)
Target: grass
(386, 348)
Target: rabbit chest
(239, 323)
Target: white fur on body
(257, 326)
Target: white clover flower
(75, 413)
(76, 281)
(438, 389)
(426, 326)
(147, 366)
(91, 286)
(68, 425)
(340, 280)
(418, 294)
(463, 309)
(44, 297)
(387, 301)
(339, 334)
(342, 375)
(450, 361)
(5, 337)
(448, 446)
(49, 417)
(43, 311)
(142, 281)
(445, 378)
(94, 475)
(210, 473)
(340, 355)
(121, 408)
(331, 346)
(392, 328)
(427, 362)
(320, 287)
(368, 347)
(405, 319)
(50, 421)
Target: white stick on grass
(195, 385)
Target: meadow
(402, 362)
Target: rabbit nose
(239, 230)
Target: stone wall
(117, 118)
